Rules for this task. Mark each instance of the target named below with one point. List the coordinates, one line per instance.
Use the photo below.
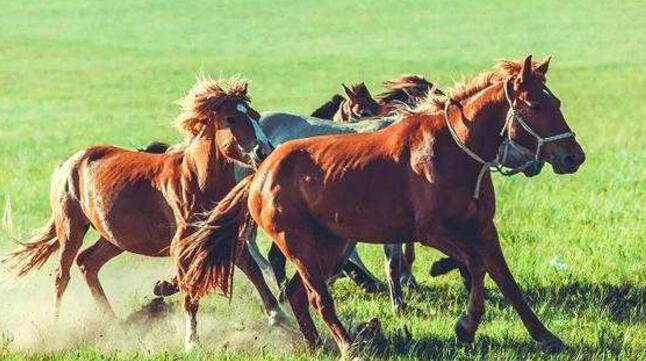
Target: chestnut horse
(138, 202)
(425, 177)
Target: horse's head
(535, 120)
(360, 103)
(225, 115)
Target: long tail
(32, 255)
(205, 259)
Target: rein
(496, 165)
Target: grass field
(77, 73)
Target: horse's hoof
(165, 289)
(551, 344)
(409, 281)
(277, 317)
(373, 287)
(464, 329)
(399, 308)
(192, 346)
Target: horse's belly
(135, 218)
(378, 221)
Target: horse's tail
(327, 110)
(33, 254)
(205, 259)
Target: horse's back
(338, 180)
(281, 127)
(118, 192)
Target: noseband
(496, 165)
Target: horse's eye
(534, 106)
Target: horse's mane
(204, 98)
(400, 88)
(504, 69)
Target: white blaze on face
(260, 134)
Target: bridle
(264, 143)
(497, 164)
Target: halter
(496, 165)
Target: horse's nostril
(574, 159)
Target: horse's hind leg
(316, 260)
(278, 262)
(393, 261)
(90, 262)
(297, 296)
(71, 226)
(247, 264)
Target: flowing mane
(503, 70)
(400, 88)
(204, 98)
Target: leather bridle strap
(513, 114)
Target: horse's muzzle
(257, 155)
(533, 169)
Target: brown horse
(425, 178)
(138, 202)
(357, 104)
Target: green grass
(73, 74)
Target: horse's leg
(247, 264)
(407, 277)
(261, 261)
(71, 226)
(448, 264)
(316, 260)
(499, 271)
(90, 262)
(278, 262)
(393, 258)
(297, 296)
(467, 324)
(191, 340)
(358, 272)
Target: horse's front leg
(466, 252)
(408, 258)
(497, 267)
(191, 341)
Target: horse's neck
(479, 121)
(205, 169)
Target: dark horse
(357, 104)
(425, 177)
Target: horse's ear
(544, 65)
(245, 86)
(364, 90)
(347, 91)
(526, 70)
